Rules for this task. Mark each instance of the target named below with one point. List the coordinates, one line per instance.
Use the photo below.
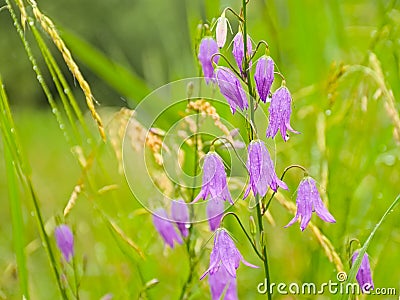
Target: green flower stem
(265, 208)
(258, 46)
(228, 62)
(253, 129)
(245, 232)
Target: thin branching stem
(233, 147)
(258, 46)
(253, 130)
(228, 62)
(235, 13)
(265, 208)
(245, 232)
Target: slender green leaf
(356, 265)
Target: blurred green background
(346, 138)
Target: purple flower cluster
(224, 261)
(164, 223)
(230, 86)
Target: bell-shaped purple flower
(280, 110)
(261, 170)
(214, 185)
(224, 261)
(231, 88)
(180, 215)
(65, 241)
(364, 276)
(264, 76)
(238, 50)
(307, 201)
(165, 227)
(214, 179)
(208, 47)
(221, 281)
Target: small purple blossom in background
(208, 47)
(221, 30)
(231, 88)
(214, 184)
(264, 76)
(364, 276)
(180, 215)
(279, 113)
(307, 201)
(224, 261)
(65, 241)
(165, 228)
(261, 170)
(238, 50)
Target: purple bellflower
(214, 179)
(65, 241)
(208, 47)
(231, 88)
(165, 227)
(221, 281)
(307, 201)
(364, 276)
(238, 50)
(214, 184)
(264, 76)
(279, 113)
(224, 261)
(261, 170)
(180, 215)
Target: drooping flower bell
(224, 261)
(231, 88)
(280, 110)
(221, 281)
(165, 227)
(264, 76)
(307, 201)
(261, 170)
(65, 241)
(214, 185)
(364, 276)
(238, 50)
(180, 215)
(214, 179)
(208, 47)
(221, 30)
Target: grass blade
(354, 269)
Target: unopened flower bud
(252, 225)
(221, 30)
